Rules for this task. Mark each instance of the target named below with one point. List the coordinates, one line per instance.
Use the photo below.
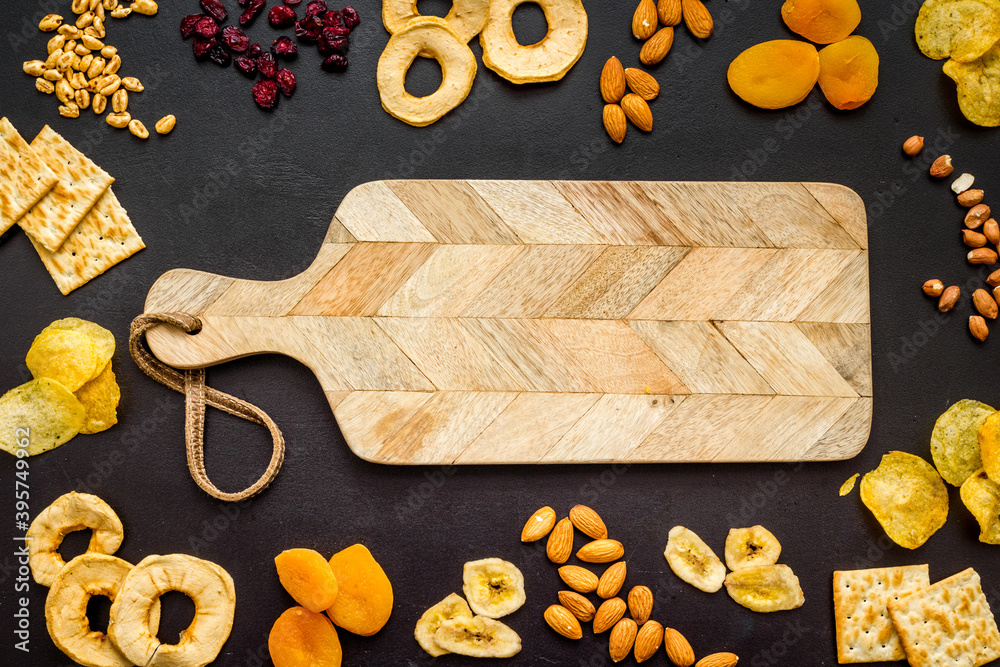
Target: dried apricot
(775, 74)
(364, 602)
(301, 638)
(308, 578)
(848, 72)
(822, 21)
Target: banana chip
(478, 637)
(452, 607)
(693, 561)
(41, 414)
(908, 498)
(959, 29)
(989, 446)
(748, 547)
(954, 441)
(978, 87)
(982, 496)
(100, 399)
(766, 588)
(69, 357)
(493, 587)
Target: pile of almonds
(621, 105)
(980, 230)
(647, 19)
(83, 71)
(637, 634)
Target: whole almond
(638, 112)
(644, 21)
(933, 287)
(669, 12)
(562, 621)
(942, 167)
(993, 280)
(601, 551)
(648, 640)
(640, 603)
(580, 579)
(611, 581)
(973, 239)
(982, 256)
(978, 328)
(996, 294)
(718, 660)
(657, 47)
(539, 524)
(971, 198)
(610, 612)
(560, 545)
(985, 305)
(913, 145)
(991, 230)
(949, 298)
(612, 81)
(622, 638)
(578, 605)
(615, 123)
(697, 18)
(678, 648)
(588, 522)
(645, 86)
(977, 215)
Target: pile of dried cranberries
(329, 30)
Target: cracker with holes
(24, 178)
(81, 184)
(864, 630)
(949, 623)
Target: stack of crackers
(64, 202)
(894, 613)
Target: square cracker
(949, 623)
(24, 177)
(101, 240)
(864, 630)
(81, 184)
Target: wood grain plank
(845, 299)
(368, 418)
(537, 212)
(335, 398)
(847, 437)
(615, 283)
(373, 212)
(847, 347)
(705, 214)
(369, 275)
(185, 291)
(450, 280)
(701, 357)
(453, 212)
(845, 206)
(176, 348)
(701, 283)
(337, 233)
(790, 216)
(621, 213)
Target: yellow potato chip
(848, 486)
(978, 87)
(959, 29)
(38, 416)
(954, 441)
(989, 446)
(69, 357)
(100, 397)
(104, 340)
(908, 498)
(981, 496)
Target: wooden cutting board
(552, 322)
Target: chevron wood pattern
(551, 322)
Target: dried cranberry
(188, 24)
(351, 18)
(265, 93)
(218, 55)
(202, 46)
(335, 63)
(235, 38)
(254, 8)
(214, 9)
(206, 27)
(286, 81)
(247, 65)
(308, 29)
(281, 16)
(266, 65)
(284, 47)
(332, 18)
(331, 42)
(293, 2)
(316, 7)
(337, 31)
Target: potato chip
(100, 397)
(978, 87)
(959, 29)
(104, 340)
(989, 446)
(70, 357)
(954, 441)
(981, 496)
(848, 486)
(908, 498)
(765, 588)
(42, 412)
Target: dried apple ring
(208, 585)
(549, 59)
(466, 17)
(431, 35)
(68, 513)
(83, 577)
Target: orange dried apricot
(775, 74)
(307, 577)
(301, 638)
(364, 602)
(822, 21)
(848, 72)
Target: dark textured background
(241, 192)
